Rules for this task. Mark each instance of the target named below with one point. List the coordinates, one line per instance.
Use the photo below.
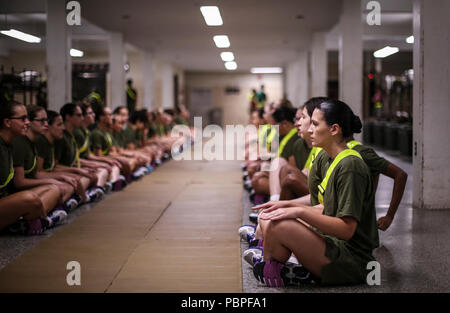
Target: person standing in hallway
(131, 97)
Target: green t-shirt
(7, 168)
(288, 149)
(66, 150)
(152, 130)
(301, 153)
(129, 135)
(349, 192)
(25, 155)
(101, 140)
(118, 139)
(320, 166)
(82, 138)
(46, 151)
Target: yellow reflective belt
(270, 137)
(86, 142)
(77, 154)
(131, 93)
(286, 138)
(352, 144)
(262, 134)
(32, 168)
(323, 185)
(108, 138)
(49, 169)
(312, 155)
(10, 176)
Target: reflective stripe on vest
(285, 140)
(86, 142)
(262, 134)
(323, 185)
(32, 168)
(109, 140)
(312, 155)
(131, 93)
(10, 176)
(270, 137)
(50, 168)
(352, 144)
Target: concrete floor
(414, 252)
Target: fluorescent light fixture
(222, 41)
(21, 36)
(211, 14)
(227, 56)
(410, 39)
(76, 53)
(386, 51)
(266, 70)
(231, 66)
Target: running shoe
(276, 274)
(253, 255)
(253, 217)
(247, 232)
(57, 216)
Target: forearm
(305, 200)
(27, 183)
(397, 193)
(328, 225)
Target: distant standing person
(261, 95)
(131, 97)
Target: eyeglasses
(78, 114)
(23, 118)
(42, 120)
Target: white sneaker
(253, 255)
(247, 232)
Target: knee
(275, 229)
(289, 181)
(34, 203)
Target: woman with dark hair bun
(333, 242)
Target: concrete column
(431, 110)
(59, 63)
(116, 70)
(351, 56)
(167, 87)
(148, 81)
(297, 81)
(319, 65)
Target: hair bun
(356, 124)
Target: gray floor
(414, 252)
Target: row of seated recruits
(54, 162)
(319, 225)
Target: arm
(21, 182)
(340, 227)
(400, 178)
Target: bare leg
(49, 195)
(286, 236)
(274, 177)
(24, 203)
(294, 183)
(260, 182)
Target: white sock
(275, 198)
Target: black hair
(52, 115)
(33, 111)
(170, 112)
(117, 110)
(338, 112)
(68, 109)
(140, 116)
(260, 112)
(7, 110)
(313, 103)
(284, 114)
(84, 107)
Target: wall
(235, 106)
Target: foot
(253, 255)
(276, 274)
(247, 232)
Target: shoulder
(352, 164)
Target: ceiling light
(211, 14)
(222, 41)
(231, 66)
(227, 56)
(266, 70)
(76, 53)
(20, 35)
(386, 51)
(410, 39)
